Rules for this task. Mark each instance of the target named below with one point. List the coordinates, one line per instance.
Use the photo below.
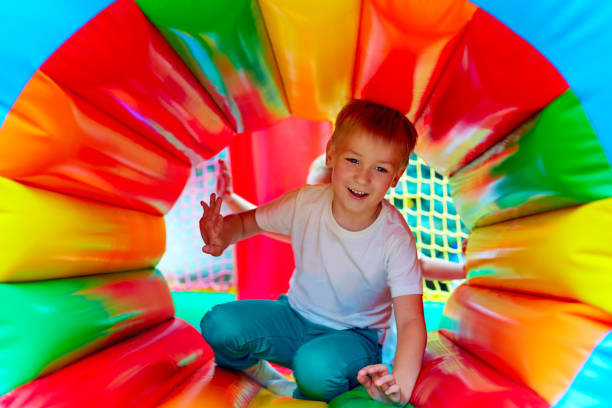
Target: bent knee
(217, 328)
(318, 378)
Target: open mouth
(357, 194)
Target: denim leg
(327, 365)
(243, 332)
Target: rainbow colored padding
(105, 106)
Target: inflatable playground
(112, 114)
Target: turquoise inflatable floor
(191, 306)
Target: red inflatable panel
(120, 62)
(493, 82)
(266, 164)
(137, 372)
(403, 46)
(451, 377)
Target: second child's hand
(211, 226)
(224, 180)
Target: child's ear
(329, 150)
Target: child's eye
(381, 169)
(351, 160)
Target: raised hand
(211, 227)
(381, 384)
(224, 180)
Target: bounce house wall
(139, 371)
(540, 166)
(94, 312)
(500, 327)
(121, 63)
(315, 52)
(67, 145)
(47, 235)
(226, 46)
(265, 165)
(530, 328)
(403, 47)
(469, 109)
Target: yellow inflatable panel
(48, 235)
(565, 253)
(314, 43)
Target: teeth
(357, 192)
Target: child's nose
(362, 176)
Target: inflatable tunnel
(106, 107)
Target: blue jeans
(324, 361)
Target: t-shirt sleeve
(404, 268)
(277, 215)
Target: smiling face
(364, 167)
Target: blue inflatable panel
(576, 37)
(30, 31)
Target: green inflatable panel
(357, 398)
(552, 161)
(45, 325)
(226, 45)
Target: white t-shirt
(343, 278)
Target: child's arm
(225, 190)
(219, 232)
(237, 203)
(411, 340)
(439, 269)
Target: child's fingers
(385, 381)
(393, 390)
(211, 204)
(218, 203)
(211, 249)
(205, 210)
(366, 371)
(363, 377)
(377, 369)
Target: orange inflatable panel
(540, 342)
(452, 377)
(56, 140)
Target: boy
(355, 258)
(431, 268)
